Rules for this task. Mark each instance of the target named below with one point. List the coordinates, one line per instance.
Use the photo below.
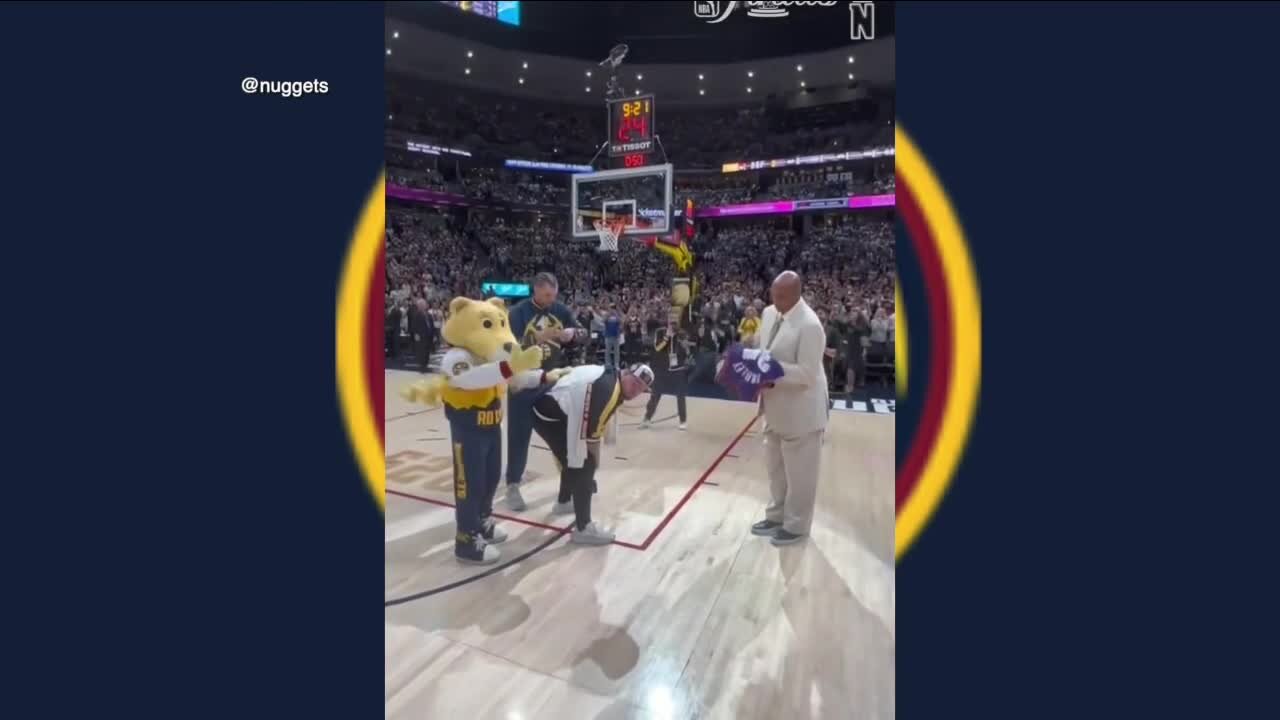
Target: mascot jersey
(588, 395)
(471, 398)
(527, 318)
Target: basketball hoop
(609, 231)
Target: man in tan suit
(795, 411)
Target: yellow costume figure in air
(484, 358)
(684, 287)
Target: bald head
(785, 291)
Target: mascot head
(480, 327)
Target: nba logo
(706, 8)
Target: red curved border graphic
(940, 342)
(373, 347)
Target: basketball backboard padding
(643, 194)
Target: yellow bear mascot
(484, 358)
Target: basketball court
(687, 615)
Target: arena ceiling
(560, 41)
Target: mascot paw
(558, 373)
(526, 359)
(425, 392)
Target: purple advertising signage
(424, 196)
(853, 202)
(873, 201)
(765, 208)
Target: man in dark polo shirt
(539, 320)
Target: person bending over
(589, 394)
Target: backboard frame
(589, 232)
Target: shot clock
(631, 129)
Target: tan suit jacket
(797, 404)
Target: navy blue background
(185, 532)
(1113, 166)
(188, 532)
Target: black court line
(465, 581)
(650, 422)
(420, 412)
(539, 447)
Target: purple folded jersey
(745, 371)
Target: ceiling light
(748, 89)
(850, 59)
(396, 34)
(702, 92)
(588, 88)
(524, 65)
(467, 71)
(699, 76)
(588, 73)
(522, 81)
(388, 51)
(799, 68)
(637, 92)
(801, 83)
(751, 73)
(639, 76)
(850, 76)
(470, 54)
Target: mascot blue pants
(477, 469)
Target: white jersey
(572, 393)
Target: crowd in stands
(847, 262)
(489, 184)
(501, 127)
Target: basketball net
(609, 232)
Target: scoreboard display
(631, 129)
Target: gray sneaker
(782, 537)
(514, 500)
(592, 535)
(765, 528)
(565, 508)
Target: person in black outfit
(423, 331)
(670, 363)
(633, 347)
(391, 328)
(858, 337)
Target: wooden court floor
(687, 616)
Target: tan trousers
(793, 479)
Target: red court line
(649, 540)
(509, 518)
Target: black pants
(422, 353)
(577, 484)
(670, 384)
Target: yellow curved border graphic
(353, 388)
(966, 362)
